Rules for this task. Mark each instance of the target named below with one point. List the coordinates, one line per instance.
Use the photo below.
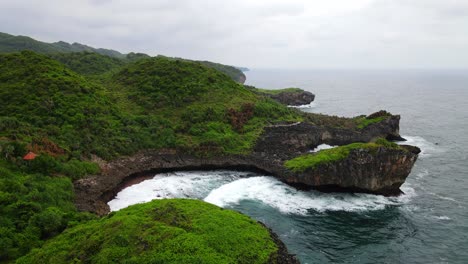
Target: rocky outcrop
(288, 140)
(381, 172)
(93, 193)
(241, 78)
(293, 98)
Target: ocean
(428, 224)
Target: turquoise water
(429, 224)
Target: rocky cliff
(378, 171)
(381, 170)
(286, 140)
(294, 98)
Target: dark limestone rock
(288, 140)
(380, 171)
(294, 98)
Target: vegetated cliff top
(85, 63)
(162, 231)
(151, 103)
(66, 118)
(235, 73)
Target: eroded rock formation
(381, 171)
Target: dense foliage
(68, 119)
(80, 57)
(10, 43)
(89, 63)
(33, 207)
(199, 106)
(162, 231)
(235, 73)
(309, 161)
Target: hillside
(202, 105)
(10, 43)
(91, 61)
(235, 73)
(162, 231)
(69, 120)
(76, 121)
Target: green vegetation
(162, 231)
(201, 108)
(363, 122)
(68, 119)
(10, 43)
(231, 71)
(310, 161)
(73, 108)
(86, 60)
(275, 91)
(89, 63)
(156, 103)
(33, 207)
(132, 56)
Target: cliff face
(380, 171)
(285, 141)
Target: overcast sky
(258, 33)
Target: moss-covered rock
(286, 96)
(379, 167)
(310, 161)
(162, 231)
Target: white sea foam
(322, 147)
(422, 174)
(427, 148)
(194, 184)
(444, 197)
(443, 217)
(288, 200)
(311, 105)
(228, 188)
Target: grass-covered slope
(162, 231)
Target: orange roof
(30, 156)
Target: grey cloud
(263, 33)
